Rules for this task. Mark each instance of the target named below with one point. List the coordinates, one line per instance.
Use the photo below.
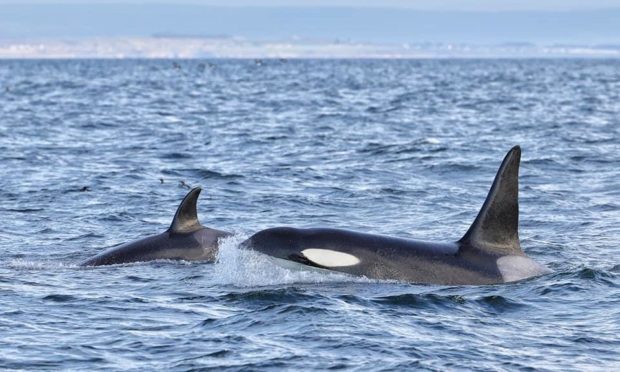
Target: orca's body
(489, 252)
(186, 239)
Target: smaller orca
(186, 239)
(488, 253)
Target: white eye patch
(329, 258)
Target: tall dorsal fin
(496, 229)
(186, 218)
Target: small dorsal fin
(186, 218)
(496, 229)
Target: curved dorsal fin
(496, 229)
(186, 218)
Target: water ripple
(96, 153)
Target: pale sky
(458, 5)
(376, 21)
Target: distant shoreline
(193, 47)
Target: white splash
(37, 265)
(246, 268)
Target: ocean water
(94, 153)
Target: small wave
(381, 110)
(563, 287)
(425, 145)
(176, 155)
(304, 310)
(139, 279)
(499, 303)
(279, 295)
(586, 274)
(420, 300)
(85, 237)
(59, 298)
(580, 279)
(542, 162)
(201, 173)
(593, 274)
(23, 210)
(432, 140)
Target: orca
(186, 239)
(488, 253)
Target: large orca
(186, 239)
(488, 253)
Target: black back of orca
(488, 253)
(186, 239)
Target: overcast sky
(465, 5)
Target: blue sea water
(94, 153)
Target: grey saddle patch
(515, 268)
